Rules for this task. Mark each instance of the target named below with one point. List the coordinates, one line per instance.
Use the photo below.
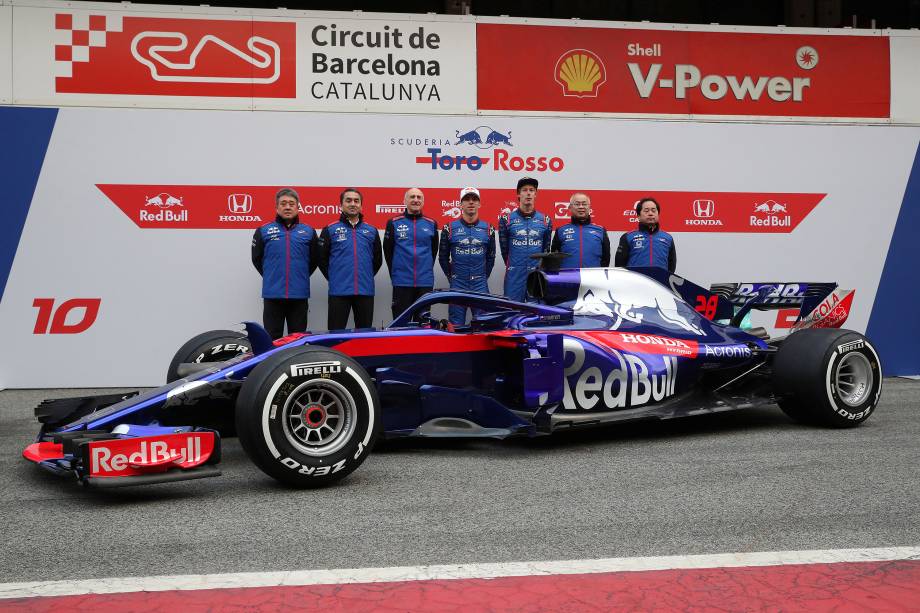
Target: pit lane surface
(736, 482)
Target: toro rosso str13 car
(595, 346)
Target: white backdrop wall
(160, 286)
(129, 130)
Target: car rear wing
(820, 304)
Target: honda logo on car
(131, 456)
(631, 382)
(658, 344)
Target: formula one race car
(596, 346)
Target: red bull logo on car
(617, 381)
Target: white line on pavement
(116, 585)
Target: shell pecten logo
(580, 73)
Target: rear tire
(308, 417)
(211, 346)
(827, 377)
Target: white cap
(466, 191)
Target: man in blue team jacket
(522, 233)
(351, 256)
(649, 245)
(285, 252)
(410, 243)
(585, 244)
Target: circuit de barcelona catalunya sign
(249, 206)
(216, 60)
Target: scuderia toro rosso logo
(614, 380)
(478, 148)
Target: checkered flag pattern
(76, 34)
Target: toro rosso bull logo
(626, 296)
(614, 380)
(483, 137)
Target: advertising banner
(90, 272)
(249, 206)
(681, 73)
(206, 58)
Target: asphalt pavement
(734, 482)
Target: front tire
(827, 377)
(308, 417)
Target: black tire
(290, 392)
(212, 346)
(827, 377)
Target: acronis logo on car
(486, 138)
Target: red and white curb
(883, 577)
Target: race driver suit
(521, 235)
(585, 244)
(466, 255)
(647, 246)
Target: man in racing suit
(585, 244)
(285, 252)
(467, 251)
(522, 233)
(410, 243)
(649, 245)
(351, 256)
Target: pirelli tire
(211, 346)
(827, 377)
(308, 416)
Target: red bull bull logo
(625, 296)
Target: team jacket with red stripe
(410, 243)
(351, 257)
(285, 255)
(585, 244)
(647, 247)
